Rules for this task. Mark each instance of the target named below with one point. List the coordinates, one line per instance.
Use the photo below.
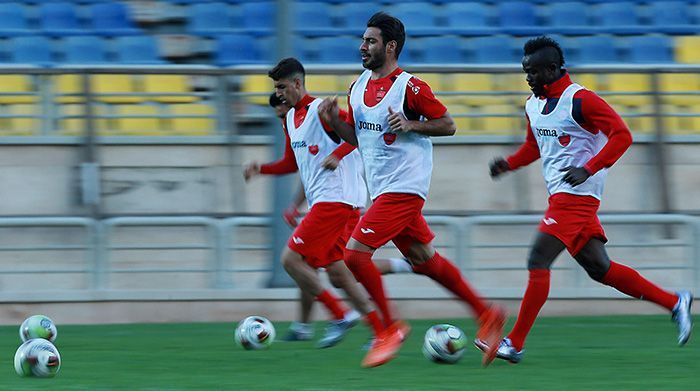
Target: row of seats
(460, 18)
(61, 18)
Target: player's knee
(596, 271)
(538, 259)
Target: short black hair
(275, 100)
(542, 42)
(391, 29)
(286, 68)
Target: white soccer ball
(444, 343)
(37, 357)
(38, 326)
(255, 333)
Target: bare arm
(291, 214)
(443, 126)
(329, 112)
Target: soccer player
(578, 136)
(386, 105)
(334, 197)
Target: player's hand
(251, 169)
(575, 175)
(328, 110)
(397, 122)
(290, 216)
(331, 162)
(498, 166)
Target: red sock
(447, 274)
(361, 265)
(630, 282)
(372, 318)
(334, 305)
(535, 297)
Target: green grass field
(572, 353)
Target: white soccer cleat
(505, 351)
(681, 316)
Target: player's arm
(291, 214)
(329, 112)
(421, 102)
(441, 126)
(332, 161)
(527, 153)
(286, 165)
(597, 115)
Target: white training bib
(394, 162)
(563, 143)
(311, 145)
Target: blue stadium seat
(354, 16)
(649, 49)
(59, 18)
(339, 50)
(419, 18)
(618, 18)
(467, 19)
(34, 49)
(492, 49)
(313, 19)
(259, 17)
(209, 19)
(518, 18)
(137, 49)
(111, 19)
(13, 20)
(86, 49)
(440, 50)
(234, 49)
(672, 17)
(569, 17)
(597, 49)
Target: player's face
(281, 110)
(538, 72)
(289, 90)
(373, 49)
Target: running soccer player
(386, 108)
(334, 197)
(578, 136)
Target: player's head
(382, 41)
(280, 107)
(543, 61)
(288, 76)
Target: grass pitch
(572, 353)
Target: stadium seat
(466, 19)
(638, 84)
(17, 84)
(313, 19)
(463, 123)
(686, 50)
(493, 49)
(670, 83)
(71, 126)
(517, 18)
(319, 85)
(66, 84)
(178, 85)
(259, 17)
(441, 50)
(13, 20)
(84, 50)
(147, 123)
(498, 119)
(434, 80)
(475, 86)
(672, 17)
(649, 49)
(597, 49)
(112, 19)
(419, 18)
(197, 119)
(137, 49)
(618, 17)
(257, 84)
(355, 15)
(233, 49)
(569, 17)
(59, 18)
(339, 50)
(23, 123)
(587, 80)
(114, 89)
(34, 50)
(209, 19)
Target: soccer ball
(444, 343)
(38, 326)
(37, 357)
(255, 333)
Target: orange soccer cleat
(490, 331)
(386, 344)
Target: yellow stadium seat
(25, 126)
(679, 82)
(466, 83)
(76, 126)
(322, 85)
(636, 124)
(694, 121)
(686, 49)
(169, 84)
(587, 80)
(258, 84)
(495, 119)
(148, 125)
(68, 84)
(16, 84)
(106, 86)
(629, 83)
(465, 125)
(192, 126)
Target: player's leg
(393, 265)
(594, 259)
(302, 330)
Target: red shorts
(573, 219)
(397, 217)
(321, 236)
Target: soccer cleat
(299, 332)
(404, 331)
(681, 315)
(335, 332)
(386, 345)
(505, 350)
(490, 330)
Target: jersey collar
(556, 88)
(303, 102)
